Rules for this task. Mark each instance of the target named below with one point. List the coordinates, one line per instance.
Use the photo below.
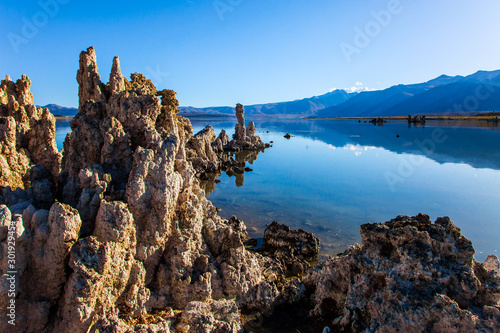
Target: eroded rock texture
(27, 135)
(408, 275)
(291, 248)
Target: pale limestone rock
(90, 87)
(240, 134)
(203, 149)
(251, 129)
(219, 316)
(491, 264)
(54, 239)
(85, 287)
(14, 164)
(24, 95)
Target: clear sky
(223, 52)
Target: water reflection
(240, 159)
(63, 127)
(473, 143)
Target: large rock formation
(133, 245)
(133, 235)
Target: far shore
(488, 117)
(485, 117)
(64, 117)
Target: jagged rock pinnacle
(90, 86)
(116, 80)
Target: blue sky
(224, 52)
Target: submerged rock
(290, 248)
(301, 243)
(378, 121)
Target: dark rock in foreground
(291, 248)
(408, 275)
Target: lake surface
(334, 175)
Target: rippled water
(334, 175)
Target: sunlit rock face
(27, 135)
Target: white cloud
(358, 87)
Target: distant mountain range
(443, 95)
(303, 107)
(61, 110)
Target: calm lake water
(334, 175)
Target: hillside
(58, 110)
(302, 107)
(476, 92)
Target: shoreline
(405, 118)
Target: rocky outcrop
(408, 275)
(244, 137)
(211, 155)
(27, 135)
(378, 121)
(42, 241)
(205, 151)
(293, 249)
